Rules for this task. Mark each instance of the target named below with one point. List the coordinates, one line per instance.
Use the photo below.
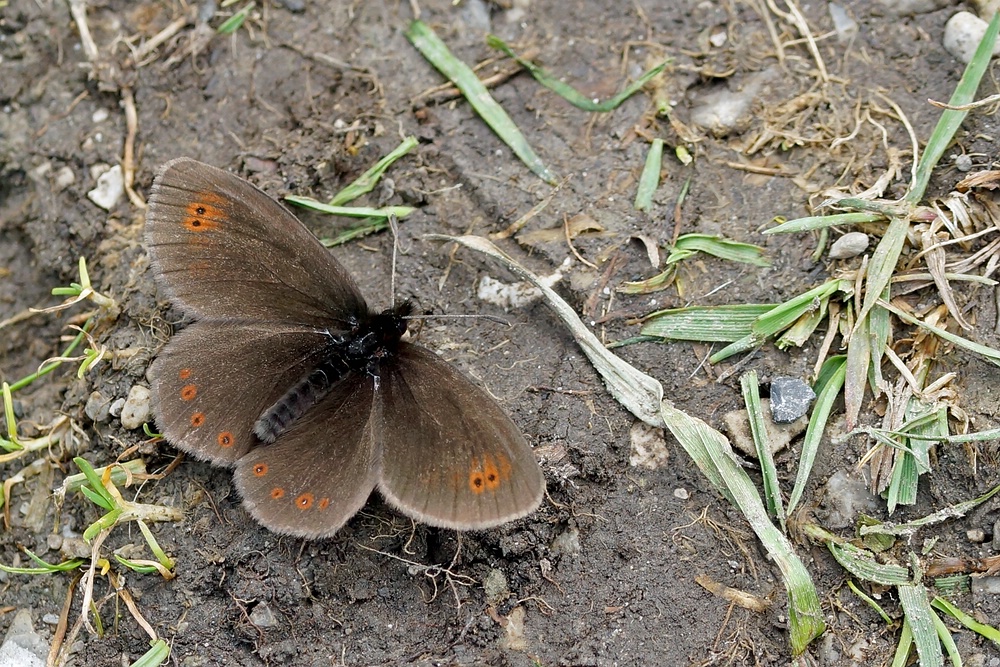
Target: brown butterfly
(287, 375)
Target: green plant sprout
(570, 94)
(233, 23)
(15, 446)
(374, 219)
(689, 245)
(436, 52)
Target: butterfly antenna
(395, 250)
(491, 318)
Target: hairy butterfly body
(287, 376)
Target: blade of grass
(734, 251)
(233, 23)
(823, 221)
(987, 353)
(863, 565)
(650, 178)
(720, 324)
(351, 211)
(758, 430)
(987, 631)
(434, 50)
(827, 388)
(919, 615)
(951, 119)
(566, 91)
(367, 181)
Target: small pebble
(996, 536)
(790, 399)
(63, 179)
(51, 619)
(100, 116)
(963, 163)
(263, 617)
(681, 493)
(98, 408)
(648, 446)
(116, 407)
(975, 535)
(849, 245)
(135, 412)
(495, 587)
(962, 35)
(567, 542)
(845, 27)
(110, 188)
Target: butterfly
(314, 399)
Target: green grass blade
(987, 631)
(107, 501)
(367, 226)
(951, 119)
(987, 353)
(944, 636)
(367, 181)
(920, 616)
(718, 324)
(155, 656)
(351, 211)
(712, 453)
(233, 23)
(869, 601)
(863, 565)
(883, 263)
(734, 251)
(824, 221)
(903, 647)
(650, 178)
(568, 92)
(758, 430)
(435, 51)
(827, 388)
(902, 488)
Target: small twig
(128, 158)
(78, 9)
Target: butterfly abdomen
(309, 391)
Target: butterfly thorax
(368, 342)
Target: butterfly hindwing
(449, 454)
(214, 379)
(319, 472)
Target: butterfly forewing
(224, 249)
(449, 455)
(320, 471)
(214, 379)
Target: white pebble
(135, 412)
(849, 245)
(962, 35)
(110, 188)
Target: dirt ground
(301, 100)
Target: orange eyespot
(197, 419)
(184, 374)
(277, 493)
(324, 503)
(260, 469)
(203, 215)
(188, 392)
(305, 501)
(226, 439)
